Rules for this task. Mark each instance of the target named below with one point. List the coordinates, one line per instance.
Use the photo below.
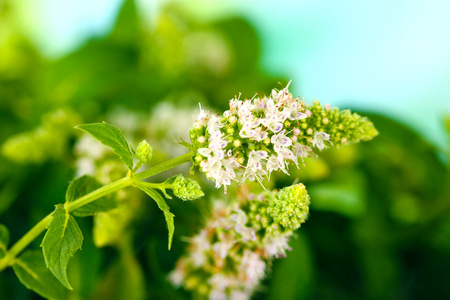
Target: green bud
(186, 188)
(290, 207)
(144, 152)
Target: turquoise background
(390, 57)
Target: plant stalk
(34, 232)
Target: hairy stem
(34, 232)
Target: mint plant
(232, 254)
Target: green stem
(31, 235)
(24, 241)
(103, 191)
(161, 185)
(163, 166)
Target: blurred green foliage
(379, 226)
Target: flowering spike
(232, 253)
(283, 128)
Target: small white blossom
(319, 138)
(222, 248)
(178, 275)
(253, 267)
(202, 118)
(281, 140)
(276, 246)
(201, 244)
(272, 122)
(239, 295)
(241, 219)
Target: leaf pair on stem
(86, 197)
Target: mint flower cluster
(232, 253)
(265, 134)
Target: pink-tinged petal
(301, 116)
(277, 127)
(205, 152)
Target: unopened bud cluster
(144, 152)
(186, 188)
(258, 136)
(230, 256)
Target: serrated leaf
(62, 240)
(112, 137)
(163, 206)
(82, 186)
(4, 240)
(32, 273)
(170, 226)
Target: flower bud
(290, 207)
(186, 188)
(144, 152)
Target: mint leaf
(82, 186)
(62, 240)
(4, 240)
(112, 137)
(162, 205)
(170, 226)
(32, 273)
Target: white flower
(260, 134)
(222, 248)
(254, 169)
(231, 164)
(214, 124)
(253, 267)
(178, 275)
(212, 165)
(201, 245)
(247, 128)
(217, 295)
(223, 178)
(217, 141)
(319, 138)
(281, 140)
(276, 163)
(87, 146)
(245, 110)
(239, 295)
(260, 104)
(202, 118)
(272, 122)
(241, 219)
(302, 150)
(219, 282)
(284, 114)
(255, 157)
(286, 154)
(85, 166)
(234, 105)
(276, 246)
